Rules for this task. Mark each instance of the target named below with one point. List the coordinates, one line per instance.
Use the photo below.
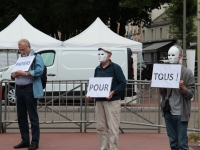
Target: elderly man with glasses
(28, 89)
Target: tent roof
(19, 29)
(99, 35)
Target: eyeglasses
(21, 50)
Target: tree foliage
(71, 17)
(175, 12)
(139, 10)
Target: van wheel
(11, 96)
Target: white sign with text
(99, 87)
(23, 63)
(166, 75)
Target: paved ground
(89, 141)
(58, 140)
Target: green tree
(70, 17)
(139, 10)
(175, 13)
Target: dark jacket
(118, 82)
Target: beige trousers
(108, 120)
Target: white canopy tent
(99, 35)
(19, 29)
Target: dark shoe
(33, 147)
(21, 145)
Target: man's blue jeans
(176, 131)
(27, 105)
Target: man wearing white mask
(108, 109)
(180, 103)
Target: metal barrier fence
(64, 107)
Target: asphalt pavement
(89, 141)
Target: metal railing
(64, 106)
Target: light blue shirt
(36, 72)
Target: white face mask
(102, 55)
(173, 55)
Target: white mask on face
(173, 55)
(102, 56)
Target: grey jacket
(189, 82)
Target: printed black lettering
(91, 87)
(28, 62)
(171, 75)
(160, 76)
(106, 87)
(155, 75)
(166, 76)
(96, 87)
(101, 87)
(177, 77)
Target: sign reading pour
(23, 63)
(99, 87)
(166, 75)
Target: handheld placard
(99, 87)
(166, 75)
(23, 63)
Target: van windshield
(48, 58)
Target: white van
(74, 64)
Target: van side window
(48, 58)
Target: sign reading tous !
(166, 75)
(99, 87)
(23, 63)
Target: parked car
(147, 72)
(166, 61)
(140, 67)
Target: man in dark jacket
(108, 109)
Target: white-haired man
(28, 89)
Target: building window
(151, 33)
(160, 33)
(170, 29)
(143, 33)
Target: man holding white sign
(176, 98)
(108, 106)
(28, 87)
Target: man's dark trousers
(27, 103)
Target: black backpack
(44, 76)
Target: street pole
(198, 58)
(184, 34)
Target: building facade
(156, 39)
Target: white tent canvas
(99, 35)
(19, 29)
